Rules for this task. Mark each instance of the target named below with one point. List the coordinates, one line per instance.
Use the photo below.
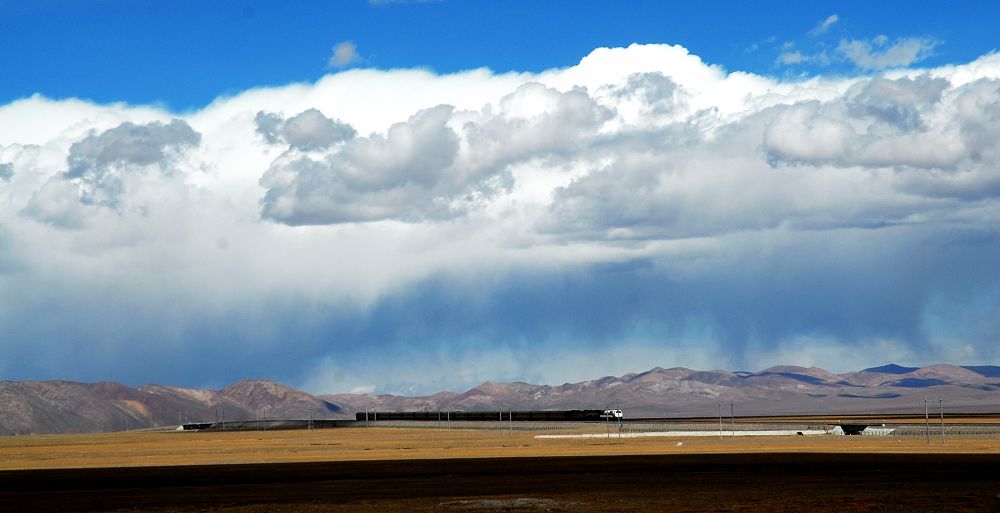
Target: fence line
(889, 429)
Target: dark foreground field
(667, 483)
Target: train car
(486, 416)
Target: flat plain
(377, 469)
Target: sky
(408, 197)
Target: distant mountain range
(71, 407)
(66, 406)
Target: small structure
(853, 427)
(878, 431)
(860, 427)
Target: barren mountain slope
(65, 406)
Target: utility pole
(720, 420)
(941, 406)
(927, 422)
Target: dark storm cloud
(849, 288)
(853, 286)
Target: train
(548, 415)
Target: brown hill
(680, 392)
(268, 399)
(65, 406)
(70, 407)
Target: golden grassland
(138, 449)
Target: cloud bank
(858, 55)
(879, 54)
(413, 231)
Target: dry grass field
(135, 449)
(362, 470)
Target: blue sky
(415, 196)
(185, 54)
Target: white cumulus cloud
(641, 196)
